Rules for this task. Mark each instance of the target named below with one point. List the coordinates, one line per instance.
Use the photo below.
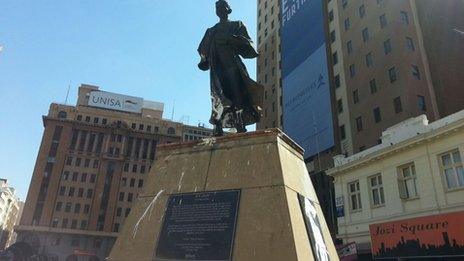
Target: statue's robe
(232, 89)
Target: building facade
(10, 207)
(387, 61)
(92, 163)
(196, 132)
(417, 171)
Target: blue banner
(306, 91)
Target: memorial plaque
(199, 226)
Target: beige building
(416, 171)
(92, 164)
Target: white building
(416, 171)
(9, 212)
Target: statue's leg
(239, 124)
(217, 131)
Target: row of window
(397, 107)
(122, 197)
(131, 182)
(71, 192)
(68, 208)
(73, 225)
(135, 168)
(451, 169)
(84, 177)
(135, 126)
(86, 163)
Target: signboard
(306, 93)
(339, 204)
(199, 226)
(348, 252)
(430, 236)
(314, 229)
(113, 101)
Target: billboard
(113, 101)
(438, 235)
(307, 106)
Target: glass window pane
(373, 182)
(352, 187)
(406, 172)
(450, 178)
(456, 157)
(460, 174)
(379, 180)
(354, 202)
(359, 201)
(375, 196)
(446, 159)
(382, 196)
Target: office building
(387, 61)
(92, 164)
(416, 171)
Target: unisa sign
(113, 101)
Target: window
(331, 16)
(352, 70)
(359, 124)
(397, 105)
(62, 190)
(377, 115)
(89, 193)
(84, 177)
(79, 117)
(64, 223)
(342, 132)
(365, 34)
(62, 115)
(410, 44)
(130, 196)
(104, 121)
(116, 227)
(340, 105)
(171, 131)
(71, 192)
(132, 183)
(373, 86)
(78, 162)
(134, 168)
(140, 183)
(141, 127)
(355, 96)
(84, 224)
(93, 177)
(335, 58)
(118, 212)
(127, 212)
(362, 11)
(347, 24)
(349, 47)
(86, 209)
(74, 176)
(67, 208)
(383, 21)
(387, 48)
(404, 17)
(355, 196)
(96, 120)
(333, 37)
(415, 71)
(80, 193)
(407, 181)
(59, 205)
(421, 103)
(337, 81)
(77, 208)
(65, 175)
(451, 165)
(69, 161)
(377, 194)
(121, 196)
(142, 169)
(369, 60)
(392, 74)
(344, 4)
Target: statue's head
(223, 8)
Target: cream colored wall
(431, 185)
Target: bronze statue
(236, 98)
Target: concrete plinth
(269, 170)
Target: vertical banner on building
(429, 236)
(306, 94)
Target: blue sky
(143, 48)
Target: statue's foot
(241, 129)
(217, 131)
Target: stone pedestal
(268, 170)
